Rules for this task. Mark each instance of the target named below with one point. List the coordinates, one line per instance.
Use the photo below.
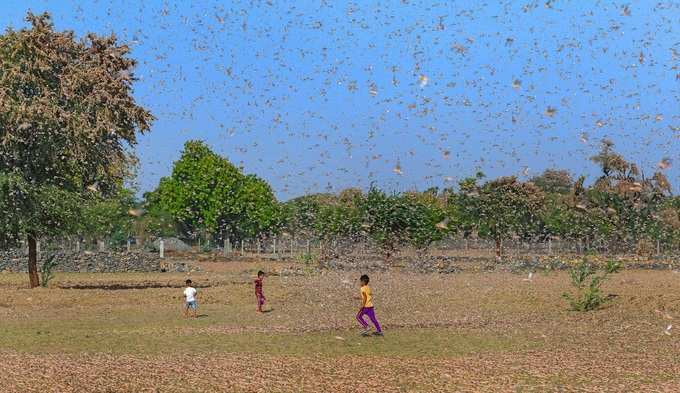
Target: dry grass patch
(463, 332)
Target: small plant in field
(586, 280)
(46, 273)
(554, 265)
(306, 258)
(205, 247)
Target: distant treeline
(208, 197)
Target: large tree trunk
(499, 248)
(33, 261)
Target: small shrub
(306, 258)
(587, 295)
(554, 265)
(46, 273)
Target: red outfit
(258, 293)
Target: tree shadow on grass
(119, 286)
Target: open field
(460, 332)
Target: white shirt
(190, 294)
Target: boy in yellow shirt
(367, 308)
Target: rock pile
(15, 260)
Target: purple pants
(371, 315)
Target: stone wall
(16, 260)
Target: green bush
(46, 273)
(306, 258)
(587, 295)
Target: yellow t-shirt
(369, 296)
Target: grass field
(491, 332)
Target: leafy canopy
(206, 193)
(67, 121)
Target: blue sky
(314, 96)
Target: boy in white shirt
(190, 300)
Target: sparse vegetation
(47, 271)
(587, 280)
(509, 331)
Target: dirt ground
(489, 332)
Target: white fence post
(128, 245)
(161, 248)
(275, 246)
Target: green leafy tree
(394, 220)
(384, 220)
(153, 221)
(67, 118)
(427, 219)
(256, 213)
(340, 217)
(501, 207)
(301, 213)
(207, 194)
(108, 217)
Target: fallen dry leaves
(582, 370)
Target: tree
(340, 217)
(153, 220)
(427, 218)
(67, 121)
(206, 193)
(554, 181)
(300, 214)
(409, 218)
(501, 207)
(256, 214)
(631, 200)
(108, 217)
(561, 217)
(384, 220)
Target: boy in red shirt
(258, 291)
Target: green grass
(136, 336)
(149, 321)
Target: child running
(258, 291)
(367, 309)
(190, 300)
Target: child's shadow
(202, 316)
(267, 311)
